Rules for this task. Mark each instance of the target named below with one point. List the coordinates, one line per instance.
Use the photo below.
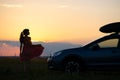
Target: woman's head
(26, 32)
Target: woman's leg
(27, 66)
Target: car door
(104, 53)
(112, 52)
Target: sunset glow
(75, 21)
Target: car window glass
(108, 43)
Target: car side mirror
(95, 47)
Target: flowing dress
(31, 51)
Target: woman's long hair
(21, 37)
(21, 41)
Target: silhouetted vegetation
(12, 69)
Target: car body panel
(102, 52)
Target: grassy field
(12, 69)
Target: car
(103, 53)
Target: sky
(74, 21)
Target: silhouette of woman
(27, 50)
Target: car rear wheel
(72, 66)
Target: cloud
(64, 6)
(11, 48)
(3, 45)
(12, 5)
